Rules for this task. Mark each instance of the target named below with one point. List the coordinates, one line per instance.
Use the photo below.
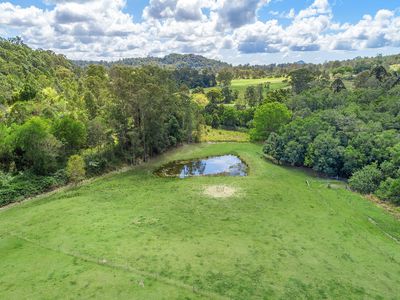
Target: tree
(72, 133)
(338, 85)
(269, 118)
(36, 147)
(380, 73)
(294, 153)
(325, 154)
(250, 96)
(230, 117)
(254, 95)
(5, 147)
(76, 168)
(353, 160)
(215, 96)
(225, 77)
(228, 95)
(28, 92)
(97, 132)
(366, 180)
(301, 79)
(259, 94)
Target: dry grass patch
(220, 191)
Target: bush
(76, 168)
(98, 162)
(366, 180)
(16, 188)
(390, 190)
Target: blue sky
(241, 31)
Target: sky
(235, 31)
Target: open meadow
(240, 85)
(281, 234)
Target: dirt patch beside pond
(220, 191)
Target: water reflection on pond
(226, 165)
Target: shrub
(97, 162)
(76, 168)
(366, 180)
(24, 185)
(390, 190)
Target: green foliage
(98, 161)
(72, 133)
(301, 79)
(338, 85)
(215, 96)
(325, 154)
(390, 190)
(268, 118)
(37, 147)
(174, 60)
(229, 95)
(25, 185)
(225, 77)
(230, 117)
(75, 168)
(28, 92)
(366, 180)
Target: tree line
(60, 123)
(342, 132)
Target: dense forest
(63, 121)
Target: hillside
(171, 60)
(134, 236)
(21, 66)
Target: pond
(225, 165)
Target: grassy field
(219, 135)
(395, 67)
(136, 236)
(240, 85)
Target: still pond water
(226, 165)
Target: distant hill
(23, 69)
(171, 60)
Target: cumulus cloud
(102, 29)
(234, 14)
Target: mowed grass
(137, 236)
(219, 135)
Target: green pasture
(284, 234)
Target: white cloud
(102, 29)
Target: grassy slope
(278, 238)
(241, 84)
(219, 135)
